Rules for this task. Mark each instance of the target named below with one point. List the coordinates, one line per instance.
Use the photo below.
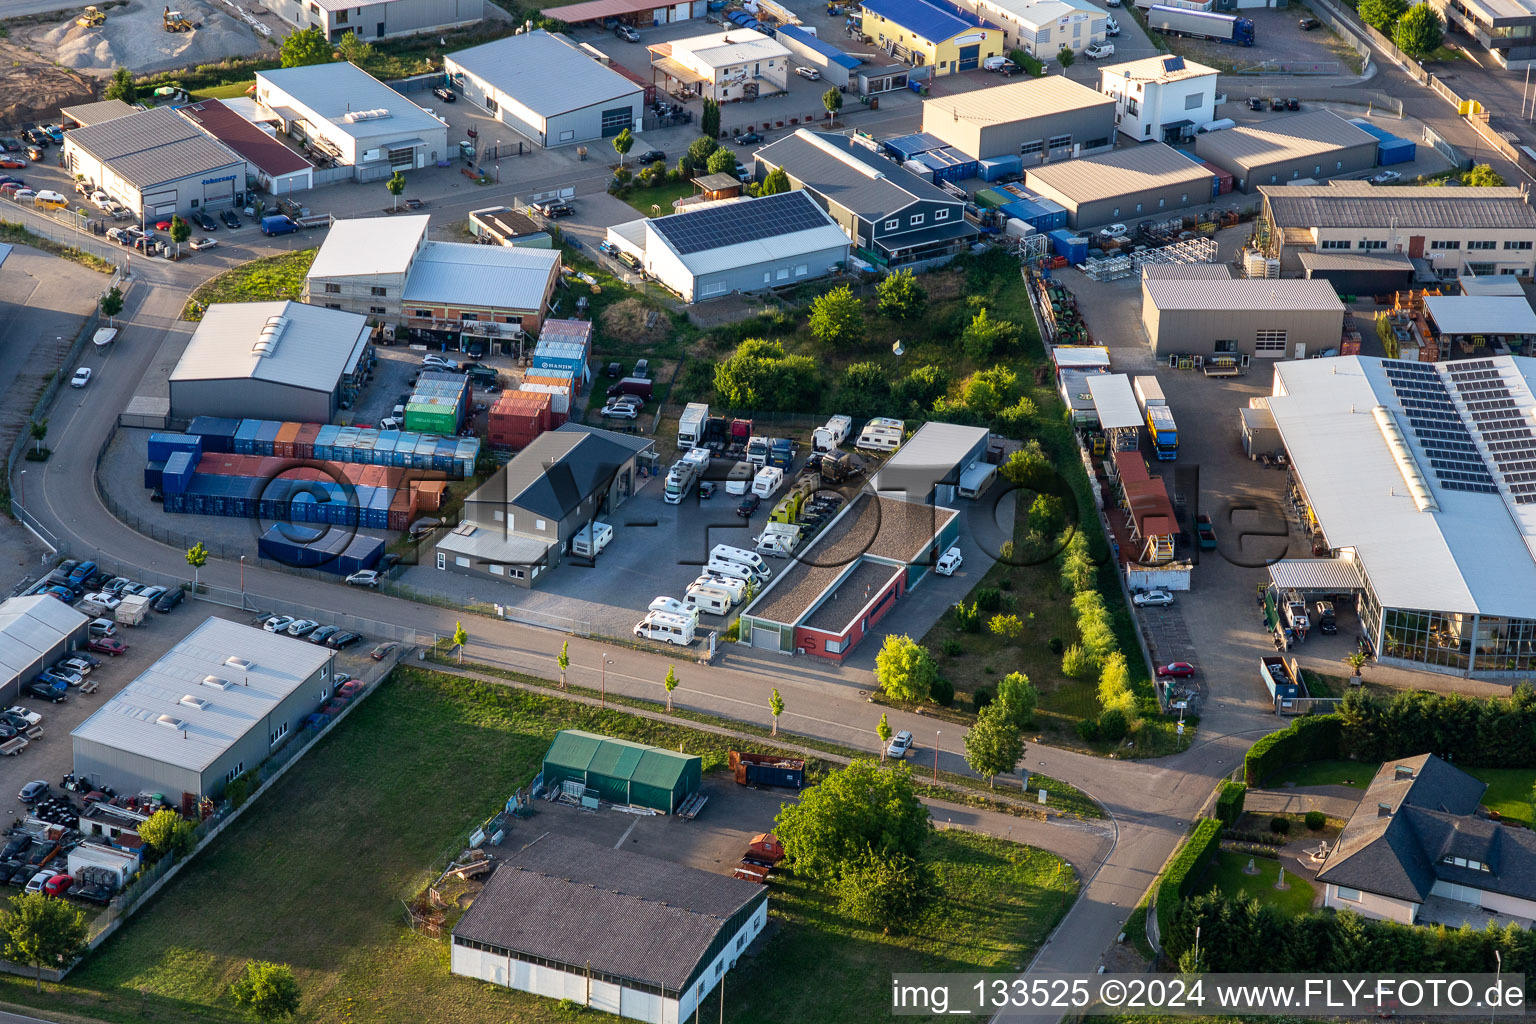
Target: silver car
(901, 744)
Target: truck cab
(781, 452)
(757, 450)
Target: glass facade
(1450, 641)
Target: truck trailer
(1148, 392)
(1223, 28)
(690, 427)
(1163, 431)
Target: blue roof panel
(933, 20)
(827, 50)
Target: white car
(77, 665)
(70, 677)
(364, 578)
(30, 717)
(432, 362)
(1152, 598)
(36, 885)
(106, 600)
(1098, 51)
(809, 73)
(100, 198)
(949, 562)
(623, 411)
(81, 378)
(277, 623)
(302, 627)
(901, 744)
(199, 244)
(1114, 231)
(1385, 178)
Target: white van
(672, 606)
(1215, 126)
(739, 562)
(592, 539)
(777, 545)
(732, 587)
(670, 629)
(768, 480)
(740, 478)
(708, 599)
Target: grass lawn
(1227, 875)
(231, 90)
(1509, 791)
(314, 875)
(18, 234)
(643, 199)
(271, 277)
(1323, 773)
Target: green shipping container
(432, 419)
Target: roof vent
(233, 662)
(216, 682)
(194, 702)
(354, 116)
(1402, 772)
(1413, 476)
(271, 332)
(170, 722)
(1383, 810)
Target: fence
(1458, 159)
(68, 227)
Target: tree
(122, 87)
(112, 303)
(1065, 57)
(354, 50)
(993, 745)
(863, 391)
(1018, 695)
(1115, 684)
(722, 161)
(180, 231)
(197, 557)
(855, 811)
(699, 152)
(986, 392)
(709, 121)
(564, 661)
(1419, 31)
(396, 185)
(1006, 626)
(1381, 14)
(760, 376)
(42, 931)
(905, 669)
(1355, 661)
(775, 182)
(305, 46)
(776, 708)
(884, 731)
(623, 143)
(882, 892)
(1482, 176)
(920, 389)
(899, 296)
(837, 318)
(670, 684)
(1029, 469)
(268, 990)
(39, 430)
(159, 831)
(1045, 514)
(460, 638)
(833, 101)
(984, 337)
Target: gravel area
(134, 37)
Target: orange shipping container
(304, 443)
(282, 445)
(430, 494)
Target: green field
(230, 90)
(1227, 875)
(643, 199)
(1509, 791)
(269, 278)
(314, 874)
(1323, 773)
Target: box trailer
(1223, 28)
(1148, 392)
(690, 427)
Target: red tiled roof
(240, 135)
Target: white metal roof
(311, 348)
(1481, 314)
(278, 665)
(149, 147)
(1162, 69)
(31, 627)
(1043, 13)
(333, 91)
(1308, 134)
(1079, 356)
(1114, 401)
(1478, 284)
(543, 72)
(727, 49)
(1242, 293)
(925, 458)
(1016, 101)
(1332, 574)
(369, 245)
(1123, 172)
(461, 273)
(1466, 552)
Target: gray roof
(553, 475)
(1016, 101)
(315, 348)
(1186, 271)
(1356, 204)
(634, 442)
(369, 246)
(30, 629)
(929, 457)
(95, 113)
(543, 72)
(1285, 138)
(334, 90)
(1397, 262)
(1124, 172)
(575, 902)
(465, 274)
(494, 545)
(1242, 293)
(147, 717)
(1336, 575)
(153, 146)
(848, 174)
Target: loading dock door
(219, 193)
(970, 57)
(160, 202)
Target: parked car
(302, 627)
(40, 879)
(1277, 103)
(202, 220)
(349, 689)
(364, 578)
(42, 691)
(445, 94)
(1255, 103)
(116, 584)
(108, 645)
(199, 244)
(901, 743)
(748, 506)
(81, 378)
(1098, 51)
(322, 634)
(58, 885)
(627, 34)
(1307, 24)
(60, 677)
(435, 362)
(642, 369)
(949, 562)
(62, 593)
(651, 156)
(1114, 231)
(748, 139)
(33, 791)
(810, 74)
(341, 641)
(168, 600)
(30, 717)
(152, 594)
(384, 650)
(93, 894)
(1385, 178)
(230, 218)
(554, 211)
(102, 628)
(1292, 103)
(277, 623)
(621, 410)
(12, 164)
(77, 665)
(1152, 598)
(1175, 670)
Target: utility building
(278, 169)
(1318, 144)
(928, 466)
(1160, 99)
(1038, 118)
(156, 163)
(724, 66)
(1144, 181)
(621, 772)
(1247, 318)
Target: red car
(12, 165)
(58, 885)
(333, 706)
(162, 225)
(108, 645)
(1175, 670)
(351, 689)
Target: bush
(1006, 626)
(1279, 825)
(953, 648)
(942, 692)
(1309, 738)
(1316, 820)
(981, 698)
(988, 599)
(1113, 725)
(1076, 662)
(1229, 802)
(1176, 882)
(1088, 729)
(967, 617)
(1055, 645)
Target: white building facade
(1160, 99)
(1042, 27)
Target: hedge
(1180, 876)
(1309, 738)
(1229, 802)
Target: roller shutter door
(160, 202)
(219, 193)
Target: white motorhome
(732, 587)
(672, 629)
(592, 539)
(708, 599)
(975, 480)
(672, 606)
(767, 481)
(827, 438)
(738, 562)
(740, 479)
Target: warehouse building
(830, 597)
(278, 169)
(1039, 118)
(1446, 232)
(271, 360)
(1151, 180)
(1161, 99)
(929, 465)
(639, 13)
(1042, 27)
(836, 66)
(608, 929)
(739, 64)
(156, 163)
(621, 772)
(453, 293)
(213, 707)
(1318, 144)
(520, 522)
(86, 114)
(1211, 314)
(344, 117)
(35, 632)
(546, 88)
(1413, 476)
(736, 245)
(381, 19)
(1503, 29)
(1359, 273)
(931, 33)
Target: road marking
(627, 831)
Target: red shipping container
(282, 445)
(402, 510)
(429, 494)
(304, 443)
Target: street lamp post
(497, 150)
(936, 734)
(1497, 974)
(603, 697)
(242, 574)
(21, 487)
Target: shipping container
(1223, 177)
(560, 400)
(904, 147)
(245, 437)
(218, 434)
(178, 471)
(1038, 212)
(999, 166)
(304, 443)
(1395, 151)
(1069, 244)
(282, 444)
(430, 494)
(162, 445)
(266, 437)
(326, 550)
(152, 471)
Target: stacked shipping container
(455, 457)
(518, 417)
(439, 405)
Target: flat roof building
(1241, 318)
(380, 19)
(271, 360)
(547, 89)
(738, 64)
(1042, 27)
(1317, 144)
(1040, 118)
(928, 466)
(1151, 180)
(1503, 29)
(156, 163)
(1359, 273)
(1161, 99)
(211, 708)
(278, 169)
(36, 631)
(836, 66)
(932, 33)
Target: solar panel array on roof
(736, 223)
(1173, 63)
(1500, 422)
(1439, 427)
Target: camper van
(767, 481)
(976, 479)
(672, 606)
(593, 537)
(881, 434)
(740, 479)
(778, 540)
(672, 629)
(732, 587)
(827, 438)
(708, 599)
(737, 562)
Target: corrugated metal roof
(1356, 261)
(1044, 13)
(463, 274)
(1162, 69)
(31, 627)
(1481, 314)
(1078, 356)
(153, 146)
(240, 135)
(544, 72)
(1256, 294)
(1357, 204)
(331, 91)
(1114, 401)
(314, 349)
(278, 666)
(930, 454)
(932, 20)
(1123, 172)
(590, 10)
(1016, 101)
(369, 245)
(1186, 272)
(1338, 575)
(848, 174)
(1472, 284)
(490, 545)
(85, 114)
(1285, 138)
(826, 49)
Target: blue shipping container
(1070, 245)
(152, 473)
(245, 437)
(178, 471)
(1395, 151)
(218, 434)
(999, 166)
(162, 445)
(266, 435)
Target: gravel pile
(133, 37)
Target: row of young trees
(1416, 30)
(1490, 732)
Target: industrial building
(1150, 180)
(830, 597)
(604, 928)
(35, 631)
(380, 19)
(1446, 232)
(1413, 476)
(212, 708)
(1359, 273)
(344, 117)
(931, 33)
(278, 169)
(156, 163)
(836, 66)
(1041, 119)
(1243, 318)
(521, 521)
(1042, 27)
(736, 245)
(621, 772)
(1505, 30)
(929, 465)
(1162, 99)
(86, 114)
(1317, 144)
(547, 89)
(271, 360)
(895, 218)
(739, 64)
(455, 293)
(640, 13)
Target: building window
(1030, 148)
(1371, 243)
(539, 524)
(1226, 346)
(1483, 245)
(333, 289)
(377, 309)
(1335, 244)
(801, 270)
(1184, 197)
(1481, 269)
(1162, 203)
(498, 515)
(1269, 342)
(517, 574)
(892, 225)
(498, 570)
(235, 772)
(939, 215)
(333, 305)
(425, 314)
(1517, 245)
(1193, 101)
(282, 731)
(1138, 207)
(1059, 142)
(378, 291)
(1132, 106)
(461, 561)
(1346, 893)
(1445, 245)
(917, 219)
(1146, 130)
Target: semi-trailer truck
(1163, 431)
(1223, 28)
(690, 427)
